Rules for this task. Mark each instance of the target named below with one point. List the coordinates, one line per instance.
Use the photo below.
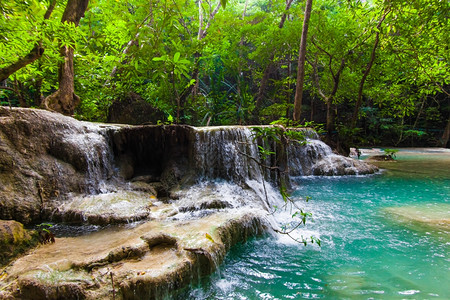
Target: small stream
(384, 236)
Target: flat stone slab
(108, 208)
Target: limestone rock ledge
(44, 156)
(153, 260)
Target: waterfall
(302, 158)
(227, 153)
(96, 158)
(232, 153)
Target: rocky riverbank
(167, 202)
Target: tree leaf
(176, 57)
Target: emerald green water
(385, 236)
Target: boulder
(45, 156)
(14, 240)
(336, 165)
(133, 110)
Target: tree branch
(316, 79)
(368, 68)
(7, 88)
(328, 54)
(211, 17)
(33, 55)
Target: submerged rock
(422, 217)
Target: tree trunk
(328, 99)
(268, 71)
(301, 64)
(367, 70)
(330, 117)
(64, 100)
(445, 135)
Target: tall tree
(268, 70)
(301, 64)
(368, 67)
(64, 100)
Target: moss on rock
(14, 240)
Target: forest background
(376, 72)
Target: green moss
(15, 240)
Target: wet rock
(14, 240)
(43, 157)
(209, 204)
(54, 285)
(154, 260)
(123, 253)
(4, 295)
(143, 187)
(171, 176)
(335, 165)
(146, 178)
(159, 239)
(154, 149)
(103, 209)
(126, 166)
(159, 189)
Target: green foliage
(152, 48)
(44, 227)
(391, 153)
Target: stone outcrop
(133, 110)
(45, 156)
(195, 192)
(14, 240)
(336, 165)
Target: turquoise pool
(385, 236)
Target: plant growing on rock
(45, 235)
(390, 153)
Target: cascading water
(226, 152)
(201, 190)
(383, 237)
(232, 154)
(97, 157)
(212, 154)
(302, 158)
